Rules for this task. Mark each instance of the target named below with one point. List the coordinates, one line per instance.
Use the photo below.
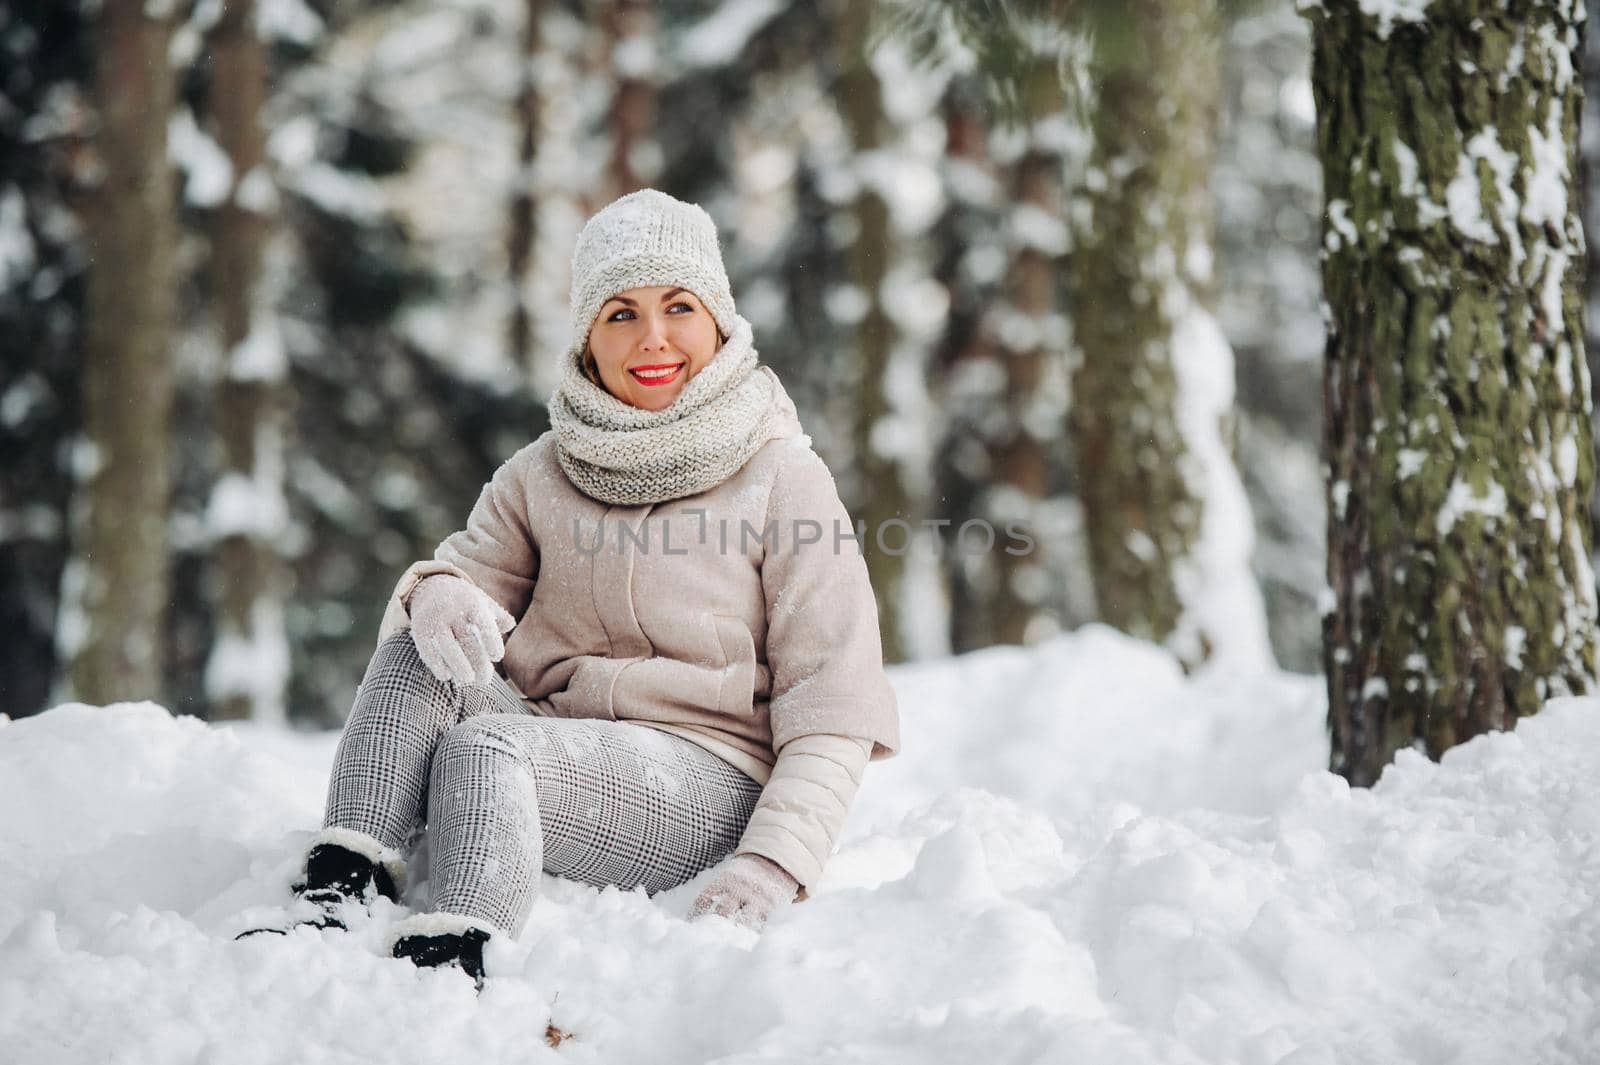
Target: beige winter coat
(740, 619)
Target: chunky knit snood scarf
(623, 455)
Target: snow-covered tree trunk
(884, 498)
(1587, 184)
(1004, 387)
(114, 591)
(968, 378)
(1169, 527)
(1457, 430)
(247, 670)
(1030, 335)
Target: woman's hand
(747, 890)
(457, 628)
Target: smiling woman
(652, 714)
(648, 343)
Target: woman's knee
(397, 660)
(492, 736)
(400, 647)
(397, 687)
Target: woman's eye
(616, 316)
(685, 306)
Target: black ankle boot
(463, 949)
(335, 876)
(340, 871)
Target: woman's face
(648, 342)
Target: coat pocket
(736, 691)
(591, 691)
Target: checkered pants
(505, 792)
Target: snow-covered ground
(1081, 856)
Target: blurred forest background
(372, 207)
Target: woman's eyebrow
(665, 297)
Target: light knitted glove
(747, 890)
(457, 628)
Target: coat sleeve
(823, 646)
(803, 806)
(496, 551)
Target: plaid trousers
(505, 792)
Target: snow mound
(1081, 855)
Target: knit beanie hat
(647, 238)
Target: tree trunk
(1030, 332)
(115, 588)
(1002, 380)
(1457, 430)
(884, 497)
(524, 222)
(969, 391)
(247, 672)
(635, 157)
(1168, 524)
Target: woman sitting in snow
(690, 670)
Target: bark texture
(885, 496)
(115, 590)
(1148, 456)
(1457, 432)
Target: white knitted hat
(647, 238)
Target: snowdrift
(1081, 856)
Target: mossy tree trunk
(114, 590)
(885, 497)
(1167, 521)
(1457, 430)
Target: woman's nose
(655, 335)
